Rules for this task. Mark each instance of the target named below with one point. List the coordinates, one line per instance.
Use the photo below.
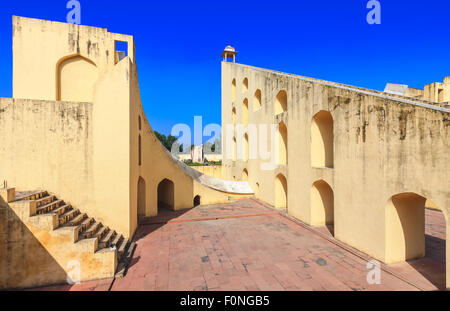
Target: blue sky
(179, 44)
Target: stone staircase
(83, 226)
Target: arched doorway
(280, 192)
(197, 200)
(75, 79)
(141, 198)
(322, 205)
(166, 194)
(416, 232)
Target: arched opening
(245, 112)
(233, 116)
(139, 123)
(280, 192)
(245, 175)
(244, 85)
(140, 150)
(234, 149)
(233, 91)
(280, 102)
(166, 194)
(197, 200)
(322, 140)
(246, 147)
(322, 205)
(141, 198)
(75, 79)
(282, 144)
(416, 232)
(257, 100)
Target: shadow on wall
(24, 262)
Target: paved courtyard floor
(248, 246)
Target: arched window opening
(245, 175)
(139, 122)
(233, 91)
(140, 151)
(246, 147)
(280, 192)
(244, 85)
(257, 100)
(233, 116)
(281, 102)
(322, 205)
(282, 144)
(141, 198)
(245, 112)
(322, 140)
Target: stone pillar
(8, 194)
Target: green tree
(166, 141)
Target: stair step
(89, 233)
(68, 216)
(104, 242)
(44, 201)
(116, 240)
(62, 209)
(86, 223)
(77, 220)
(125, 261)
(33, 196)
(101, 232)
(122, 248)
(49, 207)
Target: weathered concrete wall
(382, 146)
(48, 145)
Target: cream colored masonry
(360, 159)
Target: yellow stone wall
(381, 147)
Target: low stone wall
(213, 171)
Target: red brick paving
(246, 246)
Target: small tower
(229, 52)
